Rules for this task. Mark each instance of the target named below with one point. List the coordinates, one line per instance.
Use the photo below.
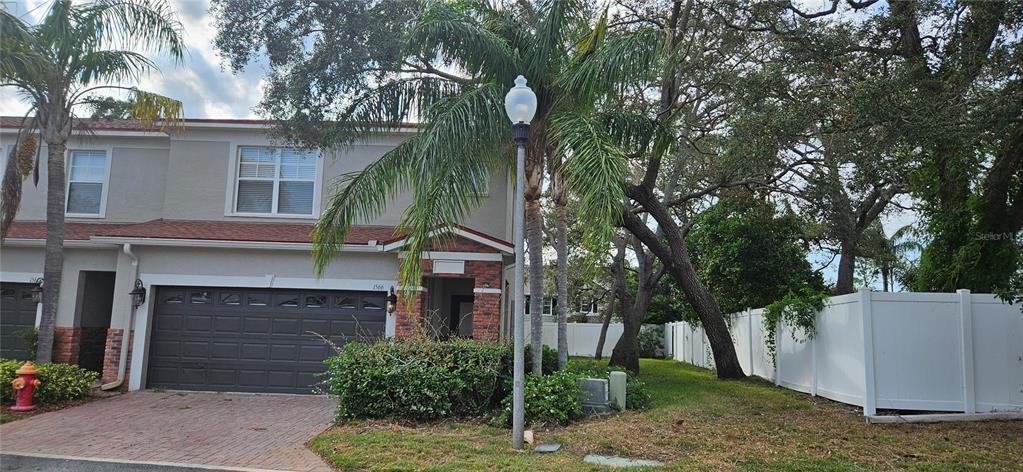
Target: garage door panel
(225, 350)
(195, 349)
(280, 378)
(227, 323)
(170, 322)
(283, 352)
(286, 326)
(257, 325)
(222, 377)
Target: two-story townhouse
(213, 221)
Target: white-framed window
(275, 181)
(587, 306)
(86, 184)
(548, 306)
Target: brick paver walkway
(257, 431)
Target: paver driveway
(220, 429)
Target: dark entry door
(254, 340)
(17, 314)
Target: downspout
(122, 364)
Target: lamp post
(520, 104)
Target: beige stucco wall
(190, 175)
(15, 261)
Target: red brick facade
(112, 354)
(486, 307)
(67, 343)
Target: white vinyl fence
(955, 352)
(582, 337)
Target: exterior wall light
(138, 294)
(37, 291)
(392, 301)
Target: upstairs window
(275, 181)
(86, 189)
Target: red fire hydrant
(24, 385)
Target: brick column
(112, 355)
(408, 317)
(67, 342)
(486, 305)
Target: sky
(209, 90)
(206, 89)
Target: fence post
(813, 365)
(749, 319)
(869, 387)
(966, 321)
(777, 352)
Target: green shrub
(7, 368)
(637, 394)
(651, 341)
(60, 382)
(417, 379)
(548, 363)
(550, 399)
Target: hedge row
(425, 380)
(60, 382)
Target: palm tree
(465, 136)
(889, 254)
(54, 66)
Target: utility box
(616, 389)
(595, 397)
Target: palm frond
(621, 62)
(594, 169)
(146, 24)
(386, 107)
(22, 61)
(551, 40)
(112, 66)
(444, 167)
(360, 197)
(456, 35)
(152, 109)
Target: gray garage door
(254, 340)
(17, 313)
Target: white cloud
(206, 90)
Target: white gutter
(226, 244)
(122, 364)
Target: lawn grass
(696, 423)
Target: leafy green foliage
(637, 393)
(549, 362)
(746, 254)
(651, 341)
(30, 336)
(550, 399)
(797, 310)
(60, 382)
(417, 379)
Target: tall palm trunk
(53, 266)
(534, 244)
(561, 247)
